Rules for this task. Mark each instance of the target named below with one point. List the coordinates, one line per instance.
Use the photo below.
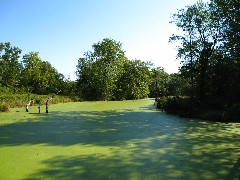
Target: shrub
(4, 108)
(212, 115)
(232, 113)
(209, 110)
(161, 102)
(182, 106)
(20, 100)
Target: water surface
(115, 140)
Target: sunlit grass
(115, 140)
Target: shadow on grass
(151, 145)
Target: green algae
(115, 140)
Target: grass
(115, 140)
(8, 101)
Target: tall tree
(227, 12)
(134, 81)
(99, 70)
(201, 32)
(39, 76)
(10, 67)
(159, 81)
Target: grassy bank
(8, 101)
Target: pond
(115, 140)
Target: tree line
(206, 86)
(30, 75)
(105, 73)
(210, 53)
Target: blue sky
(62, 30)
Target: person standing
(47, 104)
(29, 104)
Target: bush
(212, 115)
(182, 106)
(161, 102)
(4, 108)
(20, 100)
(232, 113)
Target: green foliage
(10, 67)
(134, 81)
(161, 102)
(159, 82)
(186, 107)
(39, 76)
(103, 74)
(182, 106)
(31, 75)
(15, 100)
(227, 13)
(4, 108)
(99, 70)
(201, 33)
(178, 85)
(232, 113)
(229, 114)
(106, 74)
(210, 52)
(20, 100)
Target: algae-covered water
(115, 140)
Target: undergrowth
(8, 101)
(186, 107)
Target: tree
(201, 32)
(228, 14)
(210, 51)
(134, 81)
(159, 81)
(99, 70)
(87, 81)
(10, 68)
(39, 76)
(178, 85)
(31, 75)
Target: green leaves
(198, 41)
(39, 76)
(159, 81)
(106, 74)
(30, 75)
(134, 81)
(10, 67)
(100, 69)
(210, 51)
